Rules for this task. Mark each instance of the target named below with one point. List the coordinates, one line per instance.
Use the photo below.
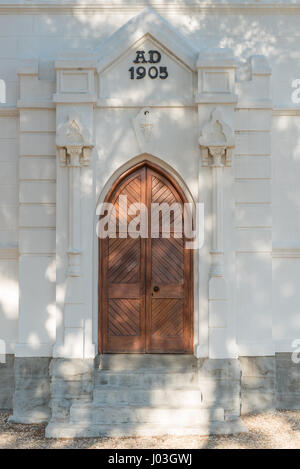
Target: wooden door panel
(146, 283)
(166, 307)
(121, 290)
(163, 193)
(123, 285)
(167, 261)
(124, 261)
(124, 326)
(167, 317)
(133, 190)
(124, 317)
(167, 325)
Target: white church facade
(187, 103)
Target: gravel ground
(280, 429)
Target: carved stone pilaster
(74, 144)
(216, 143)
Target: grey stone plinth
(147, 395)
(144, 395)
(287, 382)
(7, 383)
(227, 369)
(133, 362)
(258, 393)
(32, 390)
(71, 381)
(129, 430)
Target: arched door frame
(186, 197)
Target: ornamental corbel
(217, 141)
(74, 142)
(146, 124)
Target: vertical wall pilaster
(37, 202)
(74, 100)
(253, 173)
(216, 101)
(37, 179)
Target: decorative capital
(74, 141)
(216, 141)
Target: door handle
(156, 289)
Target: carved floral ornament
(74, 141)
(216, 141)
(146, 126)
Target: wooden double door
(145, 283)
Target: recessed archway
(145, 283)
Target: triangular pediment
(146, 25)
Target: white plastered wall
(37, 204)
(253, 176)
(286, 228)
(43, 34)
(9, 289)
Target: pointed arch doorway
(145, 283)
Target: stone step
(145, 380)
(177, 398)
(145, 362)
(75, 430)
(95, 415)
(214, 393)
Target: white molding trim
(136, 103)
(256, 349)
(284, 345)
(28, 350)
(73, 98)
(214, 98)
(286, 111)
(255, 104)
(78, 7)
(9, 253)
(38, 254)
(147, 24)
(38, 104)
(253, 251)
(6, 111)
(286, 251)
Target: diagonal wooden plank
(169, 323)
(118, 319)
(124, 317)
(165, 248)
